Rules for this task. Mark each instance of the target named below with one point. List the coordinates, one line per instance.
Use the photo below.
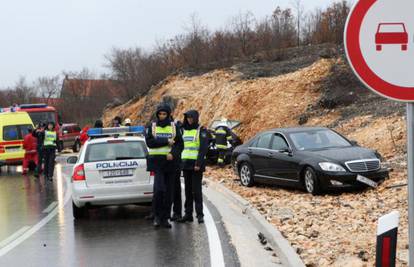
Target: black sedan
(313, 158)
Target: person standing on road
(29, 145)
(176, 185)
(165, 143)
(39, 134)
(193, 164)
(49, 144)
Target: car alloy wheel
(309, 182)
(246, 175)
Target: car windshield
(318, 139)
(15, 132)
(386, 28)
(43, 116)
(115, 151)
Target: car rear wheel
(246, 175)
(76, 147)
(311, 181)
(78, 213)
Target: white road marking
(29, 232)
(50, 207)
(14, 236)
(214, 244)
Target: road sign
(380, 47)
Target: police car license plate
(117, 173)
(366, 181)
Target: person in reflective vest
(223, 136)
(49, 147)
(193, 164)
(165, 144)
(30, 155)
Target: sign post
(379, 45)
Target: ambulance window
(10, 133)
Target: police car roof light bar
(116, 130)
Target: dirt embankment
(306, 87)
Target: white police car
(111, 170)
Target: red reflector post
(387, 231)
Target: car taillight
(79, 173)
(2, 150)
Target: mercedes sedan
(313, 158)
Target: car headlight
(331, 167)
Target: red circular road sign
(377, 43)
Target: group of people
(176, 147)
(40, 147)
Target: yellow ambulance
(13, 127)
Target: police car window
(115, 151)
(264, 141)
(278, 143)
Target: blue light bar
(116, 130)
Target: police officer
(49, 147)
(39, 133)
(193, 163)
(165, 144)
(223, 135)
(176, 186)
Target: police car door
(116, 162)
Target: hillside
(306, 86)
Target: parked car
(312, 158)
(69, 137)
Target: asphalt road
(37, 229)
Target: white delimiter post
(410, 166)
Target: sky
(46, 37)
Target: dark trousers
(177, 202)
(162, 194)
(49, 154)
(39, 160)
(193, 193)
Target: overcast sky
(45, 37)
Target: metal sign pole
(410, 166)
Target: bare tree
(299, 9)
(242, 26)
(48, 87)
(23, 92)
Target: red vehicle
(69, 137)
(39, 113)
(391, 33)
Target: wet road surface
(111, 236)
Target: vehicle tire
(78, 213)
(76, 147)
(246, 174)
(311, 181)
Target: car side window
(264, 141)
(279, 143)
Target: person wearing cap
(164, 140)
(116, 122)
(127, 122)
(30, 155)
(50, 142)
(193, 164)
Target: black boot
(186, 218)
(200, 219)
(176, 217)
(166, 224)
(157, 222)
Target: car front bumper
(349, 179)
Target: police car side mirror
(72, 160)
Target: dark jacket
(221, 139)
(204, 142)
(157, 162)
(40, 136)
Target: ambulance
(13, 127)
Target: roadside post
(379, 45)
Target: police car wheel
(76, 147)
(78, 213)
(246, 175)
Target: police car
(111, 170)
